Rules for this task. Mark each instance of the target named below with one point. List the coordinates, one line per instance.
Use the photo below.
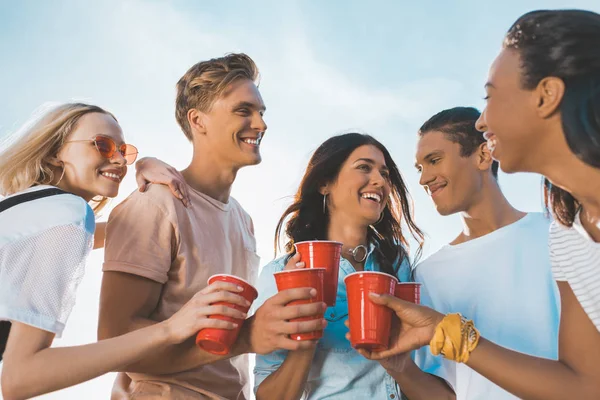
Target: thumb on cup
(295, 263)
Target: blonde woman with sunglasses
(56, 176)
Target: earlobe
(550, 92)
(324, 189)
(55, 162)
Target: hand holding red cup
(369, 322)
(323, 254)
(220, 341)
(303, 278)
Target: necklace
(358, 253)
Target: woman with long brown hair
(352, 192)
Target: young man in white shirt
(496, 272)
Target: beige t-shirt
(153, 235)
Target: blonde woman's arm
(99, 235)
(31, 367)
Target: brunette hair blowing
(305, 218)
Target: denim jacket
(338, 371)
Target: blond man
(160, 253)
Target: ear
(324, 189)
(484, 157)
(55, 162)
(550, 92)
(197, 121)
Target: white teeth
(111, 175)
(491, 144)
(252, 141)
(373, 196)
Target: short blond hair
(26, 161)
(206, 81)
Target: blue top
(337, 371)
(503, 282)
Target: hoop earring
(61, 175)
(325, 204)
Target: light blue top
(503, 282)
(337, 371)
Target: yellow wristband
(454, 338)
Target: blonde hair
(26, 161)
(206, 81)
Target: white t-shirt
(43, 247)
(576, 259)
(503, 282)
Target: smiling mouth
(492, 142)
(435, 190)
(253, 141)
(374, 197)
(112, 176)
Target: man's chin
(254, 161)
(444, 210)
(250, 161)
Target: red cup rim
(299, 269)
(370, 273)
(232, 276)
(223, 349)
(319, 241)
(236, 277)
(410, 283)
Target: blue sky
(380, 67)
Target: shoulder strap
(4, 331)
(29, 196)
(5, 205)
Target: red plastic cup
(409, 291)
(370, 323)
(302, 278)
(323, 254)
(219, 341)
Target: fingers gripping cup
(323, 254)
(303, 278)
(370, 323)
(409, 291)
(219, 341)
